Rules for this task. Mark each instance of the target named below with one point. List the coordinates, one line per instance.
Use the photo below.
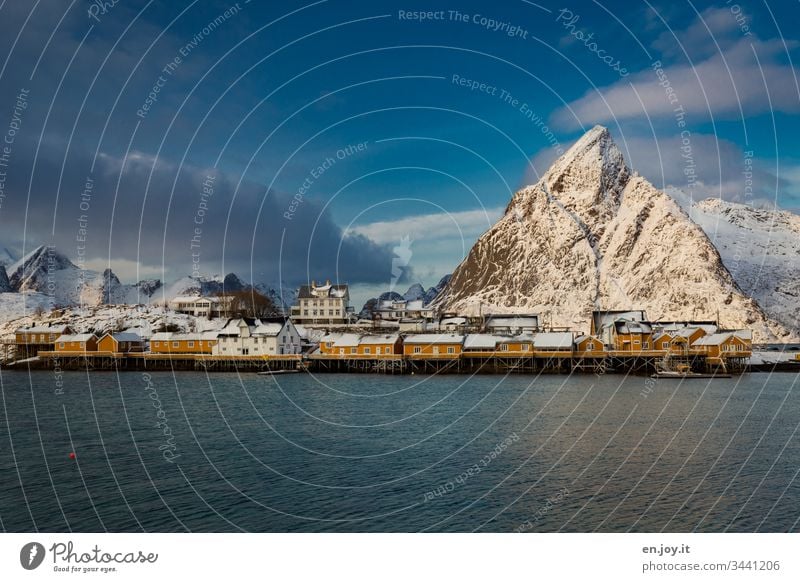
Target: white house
(252, 337)
(202, 306)
(322, 304)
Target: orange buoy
(72, 455)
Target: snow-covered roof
(453, 321)
(745, 334)
(553, 340)
(78, 337)
(627, 326)
(516, 321)
(582, 338)
(686, 332)
(379, 339)
(713, 339)
(161, 336)
(268, 329)
(347, 340)
(330, 337)
(44, 329)
(434, 338)
(483, 341)
(414, 305)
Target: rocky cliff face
(5, 284)
(593, 235)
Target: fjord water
(397, 453)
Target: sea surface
(215, 452)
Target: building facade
(326, 304)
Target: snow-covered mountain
(5, 284)
(593, 235)
(414, 293)
(47, 271)
(761, 249)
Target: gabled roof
(714, 339)
(686, 332)
(347, 340)
(161, 336)
(483, 341)
(434, 338)
(368, 340)
(125, 337)
(78, 337)
(268, 329)
(60, 329)
(553, 340)
(628, 326)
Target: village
(321, 333)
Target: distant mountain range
(48, 278)
(414, 293)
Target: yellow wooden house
(182, 343)
(31, 340)
(589, 346)
(377, 346)
(434, 346)
(632, 336)
(75, 344)
(120, 343)
(724, 345)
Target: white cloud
(464, 225)
(742, 74)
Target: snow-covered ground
(144, 319)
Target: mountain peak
(593, 164)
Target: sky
(366, 143)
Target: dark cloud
(148, 211)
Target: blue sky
(453, 112)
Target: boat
(276, 372)
(682, 375)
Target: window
(61, 345)
(352, 350)
(503, 348)
(367, 351)
(341, 351)
(377, 351)
(451, 350)
(435, 349)
(417, 350)
(526, 347)
(665, 345)
(176, 344)
(646, 345)
(190, 344)
(155, 344)
(305, 312)
(83, 345)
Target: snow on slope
(146, 319)
(590, 235)
(761, 249)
